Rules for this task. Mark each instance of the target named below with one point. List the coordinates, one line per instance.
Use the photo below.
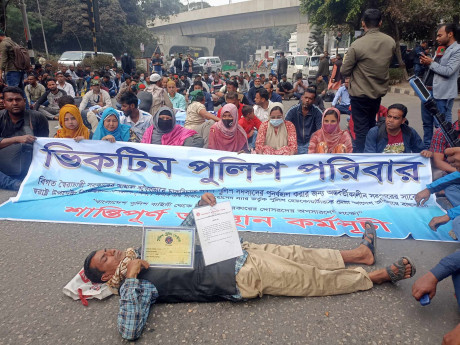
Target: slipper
(372, 245)
(401, 269)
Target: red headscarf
(231, 139)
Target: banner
(97, 182)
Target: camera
(451, 135)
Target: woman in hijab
(330, 138)
(164, 131)
(276, 136)
(227, 134)
(110, 129)
(72, 124)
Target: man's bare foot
(361, 255)
(382, 275)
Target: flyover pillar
(303, 36)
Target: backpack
(21, 57)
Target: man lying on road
(262, 269)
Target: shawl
(120, 273)
(80, 131)
(331, 139)
(233, 139)
(121, 133)
(276, 137)
(175, 137)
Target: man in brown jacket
(13, 77)
(367, 63)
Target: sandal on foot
(372, 245)
(401, 269)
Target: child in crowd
(250, 124)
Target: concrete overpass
(191, 28)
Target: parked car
(216, 64)
(76, 57)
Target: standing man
(307, 119)
(282, 66)
(157, 63)
(419, 50)
(323, 68)
(178, 64)
(445, 87)
(13, 76)
(127, 63)
(367, 63)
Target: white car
(216, 64)
(297, 64)
(76, 57)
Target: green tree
(402, 19)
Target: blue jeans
(428, 122)
(445, 107)
(252, 140)
(456, 281)
(326, 78)
(298, 95)
(7, 182)
(15, 78)
(302, 148)
(344, 109)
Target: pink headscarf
(231, 139)
(332, 139)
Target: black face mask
(228, 123)
(165, 125)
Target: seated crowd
(173, 110)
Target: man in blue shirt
(307, 119)
(274, 97)
(342, 98)
(157, 63)
(271, 269)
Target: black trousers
(363, 112)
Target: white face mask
(276, 122)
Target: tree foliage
(123, 24)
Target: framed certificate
(169, 247)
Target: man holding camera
(446, 71)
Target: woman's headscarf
(174, 137)
(120, 134)
(231, 139)
(332, 139)
(279, 138)
(80, 131)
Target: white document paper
(217, 231)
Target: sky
(215, 2)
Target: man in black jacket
(18, 131)
(262, 269)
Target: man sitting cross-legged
(262, 269)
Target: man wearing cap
(253, 90)
(14, 77)
(95, 96)
(159, 95)
(323, 68)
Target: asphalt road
(40, 258)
